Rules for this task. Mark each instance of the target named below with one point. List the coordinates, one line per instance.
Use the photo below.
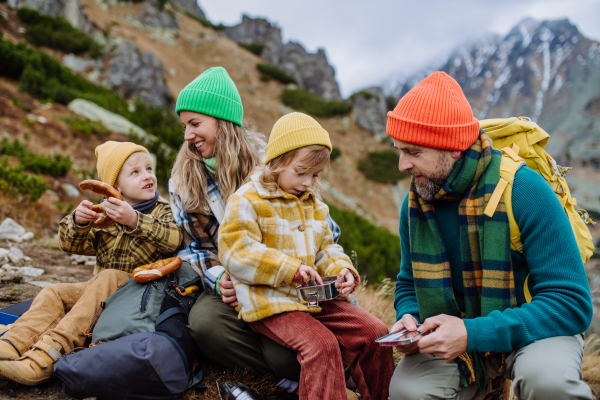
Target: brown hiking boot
(35, 366)
(7, 351)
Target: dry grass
(591, 363)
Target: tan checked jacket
(156, 236)
(265, 236)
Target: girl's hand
(305, 273)
(346, 283)
(121, 212)
(83, 213)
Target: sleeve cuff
(481, 334)
(211, 279)
(286, 278)
(142, 227)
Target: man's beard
(430, 185)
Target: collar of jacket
(265, 193)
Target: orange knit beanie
(435, 113)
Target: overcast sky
(376, 41)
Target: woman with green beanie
(216, 157)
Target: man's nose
(403, 164)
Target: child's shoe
(7, 351)
(36, 365)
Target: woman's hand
(120, 211)
(227, 291)
(345, 283)
(83, 213)
(306, 273)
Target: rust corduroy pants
(318, 338)
(64, 310)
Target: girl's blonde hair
(314, 156)
(236, 159)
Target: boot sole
(16, 378)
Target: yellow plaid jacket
(265, 237)
(156, 236)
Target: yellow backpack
(523, 141)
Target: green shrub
(43, 77)
(382, 166)
(14, 182)
(55, 165)
(314, 105)
(207, 24)
(335, 153)
(270, 72)
(378, 251)
(85, 125)
(254, 48)
(57, 33)
(17, 103)
(364, 93)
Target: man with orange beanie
(459, 276)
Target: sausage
(158, 269)
(103, 189)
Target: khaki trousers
(65, 312)
(549, 369)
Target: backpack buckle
(560, 188)
(181, 291)
(585, 217)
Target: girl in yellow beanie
(275, 237)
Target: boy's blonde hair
(236, 159)
(315, 156)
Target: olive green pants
(549, 369)
(228, 341)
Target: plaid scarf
(485, 249)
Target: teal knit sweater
(561, 304)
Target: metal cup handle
(313, 299)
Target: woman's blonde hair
(236, 159)
(314, 156)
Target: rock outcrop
(190, 6)
(133, 74)
(311, 70)
(71, 10)
(151, 16)
(369, 110)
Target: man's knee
(207, 320)
(551, 382)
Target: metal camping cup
(239, 392)
(312, 295)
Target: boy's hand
(121, 212)
(305, 273)
(345, 283)
(83, 213)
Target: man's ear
(456, 154)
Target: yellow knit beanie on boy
(293, 131)
(111, 157)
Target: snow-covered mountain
(545, 70)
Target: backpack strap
(510, 164)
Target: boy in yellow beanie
(63, 315)
(275, 237)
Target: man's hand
(227, 291)
(449, 339)
(121, 212)
(406, 322)
(345, 283)
(83, 213)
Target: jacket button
(301, 228)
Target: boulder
(370, 110)
(77, 259)
(70, 190)
(15, 255)
(112, 121)
(41, 284)
(9, 229)
(190, 7)
(70, 10)
(30, 271)
(151, 16)
(27, 236)
(133, 74)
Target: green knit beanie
(212, 93)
